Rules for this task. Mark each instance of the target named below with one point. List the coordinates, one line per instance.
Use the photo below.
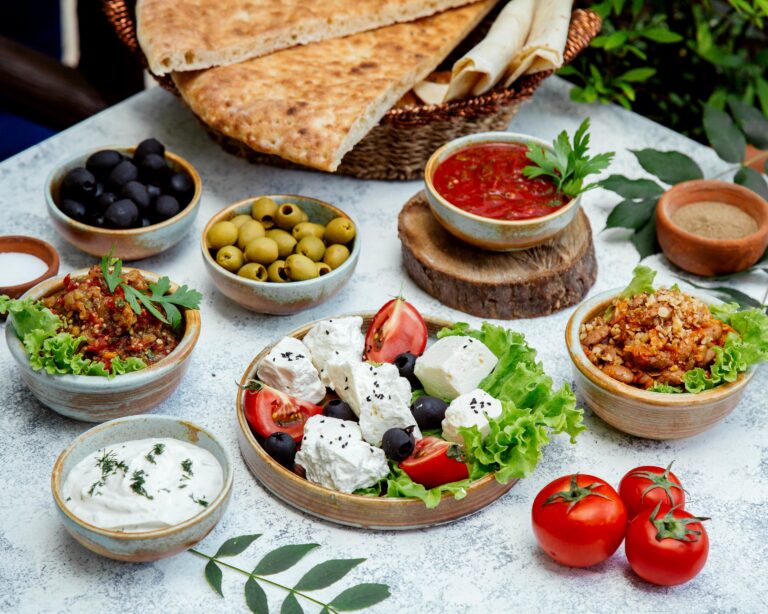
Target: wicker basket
(400, 145)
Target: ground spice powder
(715, 220)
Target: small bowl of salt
(24, 263)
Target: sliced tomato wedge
(435, 461)
(397, 328)
(270, 411)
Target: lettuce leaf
(642, 282)
(399, 484)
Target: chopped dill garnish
(157, 450)
(137, 483)
(109, 465)
(200, 501)
(186, 467)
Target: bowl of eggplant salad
(395, 421)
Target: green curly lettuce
(399, 484)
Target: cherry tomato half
(645, 486)
(666, 546)
(270, 411)
(579, 520)
(435, 461)
(396, 328)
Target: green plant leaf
(752, 122)
(213, 575)
(282, 558)
(291, 605)
(632, 188)
(631, 214)
(637, 75)
(669, 166)
(661, 35)
(724, 135)
(236, 545)
(325, 574)
(255, 597)
(359, 597)
(617, 39)
(644, 238)
(750, 178)
(728, 294)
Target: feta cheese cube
(470, 409)
(336, 340)
(454, 365)
(377, 394)
(288, 368)
(333, 454)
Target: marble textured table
(486, 563)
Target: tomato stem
(669, 527)
(659, 481)
(576, 493)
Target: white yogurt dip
(143, 485)
(17, 268)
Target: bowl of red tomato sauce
(477, 191)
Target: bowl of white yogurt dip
(142, 488)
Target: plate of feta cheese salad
(394, 421)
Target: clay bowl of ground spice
(710, 227)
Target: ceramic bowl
(703, 256)
(349, 509)
(35, 247)
(95, 398)
(281, 298)
(484, 232)
(145, 545)
(652, 415)
(132, 243)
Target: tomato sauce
(487, 180)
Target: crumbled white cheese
(454, 365)
(335, 340)
(470, 409)
(289, 369)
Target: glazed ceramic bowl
(484, 232)
(35, 247)
(281, 298)
(652, 415)
(348, 509)
(132, 243)
(145, 545)
(95, 398)
(701, 255)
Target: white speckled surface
(486, 563)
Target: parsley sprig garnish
(568, 165)
(183, 296)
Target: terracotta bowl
(145, 545)
(703, 256)
(132, 243)
(35, 247)
(95, 398)
(652, 415)
(289, 297)
(347, 509)
(484, 232)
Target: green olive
(304, 217)
(336, 255)
(300, 268)
(221, 234)
(262, 250)
(253, 270)
(249, 231)
(285, 242)
(264, 210)
(288, 215)
(322, 268)
(277, 273)
(340, 230)
(311, 247)
(241, 219)
(230, 258)
(308, 229)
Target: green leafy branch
(282, 558)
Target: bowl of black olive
(136, 201)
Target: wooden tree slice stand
(500, 285)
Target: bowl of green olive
(280, 253)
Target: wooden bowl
(131, 243)
(348, 509)
(281, 298)
(35, 247)
(652, 415)
(94, 398)
(703, 256)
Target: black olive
(147, 147)
(405, 364)
(153, 169)
(339, 409)
(74, 209)
(281, 447)
(138, 193)
(102, 162)
(166, 207)
(429, 412)
(123, 173)
(398, 444)
(78, 184)
(154, 191)
(181, 186)
(122, 214)
(101, 202)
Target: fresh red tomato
(397, 328)
(269, 411)
(579, 520)
(666, 546)
(435, 461)
(645, 486)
